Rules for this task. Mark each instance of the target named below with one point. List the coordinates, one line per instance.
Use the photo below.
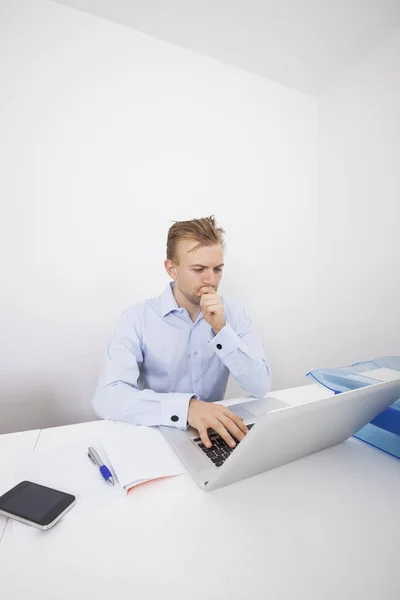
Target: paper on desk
(6, 483)
(138, 454)
(67, 468)
(383, 374)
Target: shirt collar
(168, 302)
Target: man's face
(196, 269)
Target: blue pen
(95, 458)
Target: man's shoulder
(137, 312)
(133, 312)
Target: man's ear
(170, 267)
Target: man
(170, 357)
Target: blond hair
(204, 231)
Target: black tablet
(35, 504)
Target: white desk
(12, 446)
(325, 527)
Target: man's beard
(193, 299)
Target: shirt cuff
(225, 342)
(174, 410)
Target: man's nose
(209, 279)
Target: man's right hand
(203, 415)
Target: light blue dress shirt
(158, 359)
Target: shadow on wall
(37, 408)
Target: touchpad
(251, 410)
(241, 412)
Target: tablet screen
(35, 502)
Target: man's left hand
(212, 308)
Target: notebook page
(139, 453)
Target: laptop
(279, 433)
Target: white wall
(359, 219)
(108, 136)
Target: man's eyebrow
(205, 267)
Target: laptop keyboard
(219, 451)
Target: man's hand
(213, 308)
(202, 415)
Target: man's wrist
(192, 401)
(216, 330)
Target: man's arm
(241, 351)
(117, 396)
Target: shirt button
(195, 353)
(219, 346)
(174, 418)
